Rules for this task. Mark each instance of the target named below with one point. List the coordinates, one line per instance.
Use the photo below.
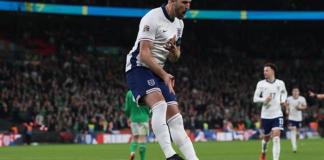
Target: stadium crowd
(70, 84)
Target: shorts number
(281, 122)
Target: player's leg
(276, 143)
(159, 108)
(293, 131)
(175, 123)
(264, 145)
(142, 146)
(144, 131)
(178, 133)
(276, 131)
(294, 138)
(143, 85)
(133, 147)
(266, 135)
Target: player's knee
(142, 139)
(175, 120)
(276, 133)
(178, 133)
(172, 111)
(135, 138)
(276, 139)
(267, 138)
(160, 106)
(158, 116)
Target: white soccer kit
(156, 26)
(277, 91)
(294, 113)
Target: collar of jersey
(295, 98)
(271, 81)
(166, 13)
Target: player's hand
(170, 45)
(299, 107)
(268, 99)
(174, 52)
(287, 112)
(128, 123)
(169, 81)
(311, 94)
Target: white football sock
(161, 129)
(180, 137)
(294, 139)
(276, 147)
(264, 146)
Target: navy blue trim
(271, 81)
(166, 14)
(134, 55)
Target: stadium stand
(66, 75)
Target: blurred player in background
(272, 94)
(138, 118)
(294, 106)
(318, 96)
(159, 39)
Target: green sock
(133, 147)
(142, 150)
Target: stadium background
(65, 73)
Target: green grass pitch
(308, 150)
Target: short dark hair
(272, 66)
(295, 87)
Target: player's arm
(303, 105)
(147, 58)
(147, 32)
(173, 46)
(286, 107)
(257, 95)
(284, 94)
(127, 103)
(318, 96)
(174, 49)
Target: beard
(181, 14)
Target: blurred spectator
(28, 132)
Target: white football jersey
(156, 26)
(294, 114)
(275, 89)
